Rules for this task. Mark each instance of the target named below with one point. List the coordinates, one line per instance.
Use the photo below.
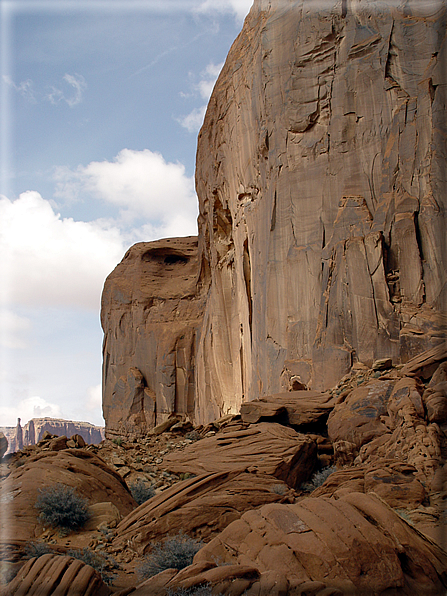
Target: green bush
(318, 478)
(37, 549)
(61, 507)
(141, 491)
(8, 571)
(279, 489)
(99, 560)
(197, 591)
(176, 552)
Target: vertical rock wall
(152, 307)
(322, 191)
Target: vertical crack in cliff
(241, 359)
(371, 273)
(273, 220)
(247, 279)
(417, 233)
(390, 63)
(387, 72)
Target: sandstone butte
(303, 328)
(322, 191)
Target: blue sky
(101, 103)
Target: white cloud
(209, 78)
(48, 260)
(31, 407)
(142, 185)
(194, 120)
(13, 330)
(239, 7)
(79, 85)
(24, 88)
(94, 398)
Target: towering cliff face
(152, 309)
(322, 190)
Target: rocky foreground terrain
(251, 488)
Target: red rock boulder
(54, 575)
(201, 507)
(76, 468)
(263, 448)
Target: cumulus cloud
(31, 407)
(142, 185)
(194, 120)
(94, 398)
(49, 260)
(13, 330)
(79, 85)
(240, 8)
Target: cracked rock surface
(322, 190)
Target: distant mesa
(30, 434)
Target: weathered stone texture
(151, 312)
(53, 575)
(322, 191)
(85, 472)
(264, 448)
(200, 507)
(321, 546)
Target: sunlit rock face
(151, 311)
(322, 190)
(322, 194)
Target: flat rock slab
(54, 575)
(298, 408)
(263, 448)
(85, 472)
(201, 507)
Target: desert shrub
(279, 489)
(61, 507)
(175, 552)
(318, 478)
(102, 562)
(141, 491)
(37, 549)
(205, 590)
(8, 571)
(404, 515)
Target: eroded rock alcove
(151, 312)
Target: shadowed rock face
(151, 311)
(322, 190)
